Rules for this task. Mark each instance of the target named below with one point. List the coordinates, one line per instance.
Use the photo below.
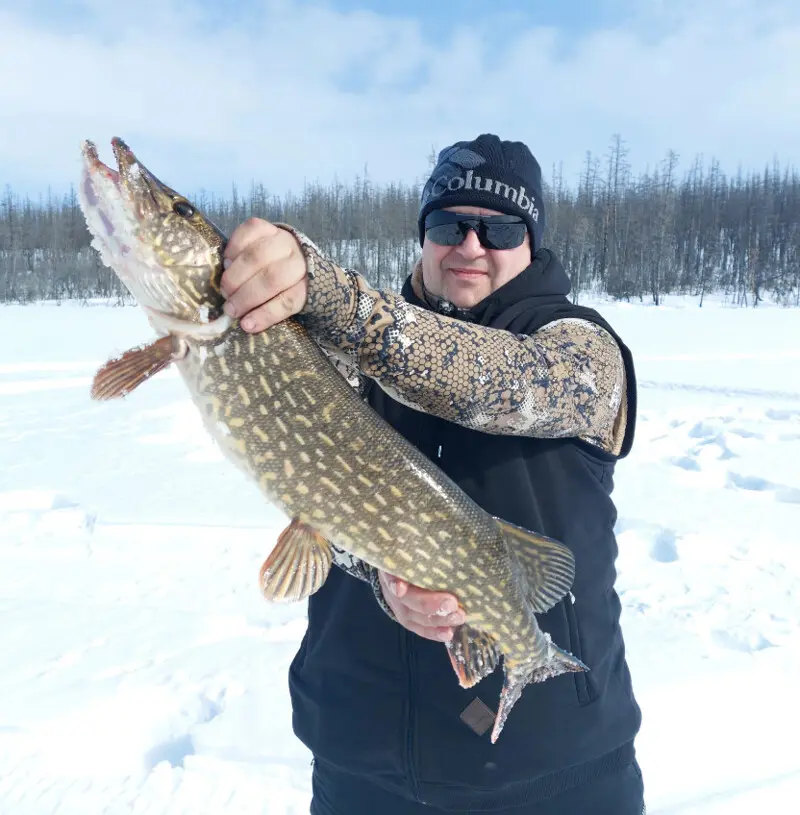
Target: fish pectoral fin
(119, 376)
(297, 566)
(473, 655)
(548, 565)
(520, 674)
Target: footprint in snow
(746, 434)
(46, 513)
(755, 483)
(643, 539)
(787, 495)
(748, 482)
(664, 548)
(175, 749)
(710, 433)
(736, 640)
(704, 430)
(685, 462)
(782, 415)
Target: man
(526, 401)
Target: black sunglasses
(493, 231)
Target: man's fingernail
(226, 262)
(230, 309)
(445, 635)
(448, 606)
(248, 324)
(455, 619)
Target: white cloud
(286, 93)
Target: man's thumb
(396, 586)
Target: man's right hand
(431, 614)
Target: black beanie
(491, 173)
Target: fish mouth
(165, 252)
(96, 175)
(106, 207)
(111, 193)
(120, 205)
(95, 166)
(123, 155)
(131, 179)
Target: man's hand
(265, 278)
(431, 614)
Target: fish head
(164, 250)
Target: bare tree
(623, 235)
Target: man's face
(468, 273)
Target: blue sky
(280, 91)
(439, 18)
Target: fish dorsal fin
(548, 566)
(119, 376)
(297, 566)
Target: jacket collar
(543, 278)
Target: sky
(281, 92)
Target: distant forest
(631, 237)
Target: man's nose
(471, 246)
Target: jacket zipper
(581, 682)
(411, 759)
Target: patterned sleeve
(362, 571)
(565, 380)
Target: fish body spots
(334, 488)
(345, 466)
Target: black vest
(375, 700)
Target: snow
(141, 671)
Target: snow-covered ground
(141, 671)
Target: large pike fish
(281, 412)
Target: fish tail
(518, 675)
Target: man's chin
(464, 299)
(466, 293)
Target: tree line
(633, 237)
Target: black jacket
(373, 699)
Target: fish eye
(183, 208)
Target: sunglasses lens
(446, 234)
(494, 231)
(503, 236)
